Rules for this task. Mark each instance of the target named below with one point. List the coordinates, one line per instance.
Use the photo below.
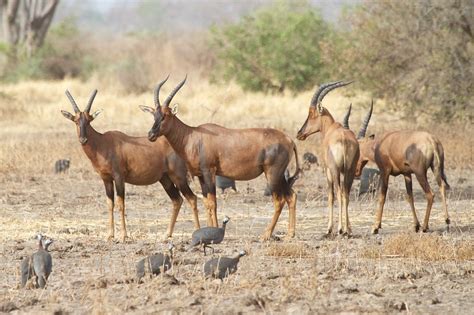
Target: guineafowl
(209, 235)
(224, 183)
(155, 264)
(26, 266)
(223, 266)
(42, 262)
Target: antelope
(340, 153)
(119, 159)
(239, 154)
(404, 152)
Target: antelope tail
(438, 165)
(295, 176)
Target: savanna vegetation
(414, 55)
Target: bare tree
(26, 22)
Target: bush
(416, 54)
(62, 55)
(275, 48)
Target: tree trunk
(26, 22)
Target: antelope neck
(178, 134)
(91, 146)
(326, 122)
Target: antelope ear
(96, 113)
(147, 109)
(68, 115)
(174, 111)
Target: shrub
(416, 54)
(275, 48)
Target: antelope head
(81, 119)
(162, 114)
(317, 112)
(366, 144)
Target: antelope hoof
(266, 236)
(348, 232)
(375, 230)
(110, 238)
(417, 227)
(425, 229)
(340, 231)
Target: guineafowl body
(155, 264)
(209, 235)
(42, 264)
(224, 183)
(221, 267)
(39, 264)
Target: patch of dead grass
(428, 247)
(290, 250)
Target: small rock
(435, 301)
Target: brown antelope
(119, 158)
(239, 154)
(340, 149)
(404, 153)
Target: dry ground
(397, 270)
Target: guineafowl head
(46, 243)
(242, 253)
(226, 220)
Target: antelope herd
(173, 149)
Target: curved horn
(172, 94)
(91, 100)
(363, 129)
(330, 88)
(73, 102)
(319, 90)
(345, 121)
(157, 91)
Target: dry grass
(305, 275)
(290, 250)
(429, 247)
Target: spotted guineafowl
(42, 263)
(42, 259)
(208, 235)
(61, 166)
(223, 183)
(155, 264)
(221, 267)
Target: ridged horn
(73, 102)
(173, 93)
(91, 100)
(345, 121)
(363, 129)
(319, 90)
(329, 89)
(157, 91)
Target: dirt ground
(307, 274)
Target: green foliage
(416, 54)
(61, 55)
(275, 48)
